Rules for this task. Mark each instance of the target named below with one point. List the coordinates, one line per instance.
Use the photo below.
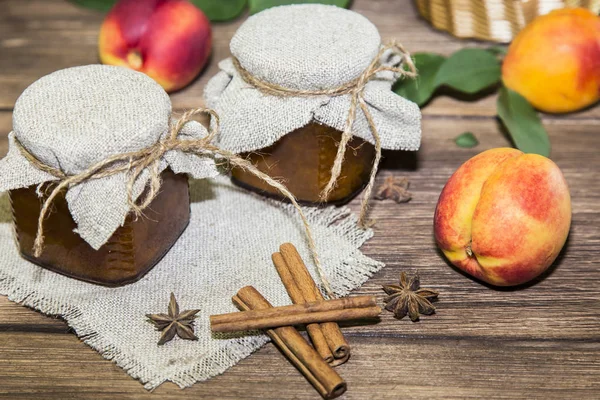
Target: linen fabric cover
(307, 47)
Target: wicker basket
(496, 20)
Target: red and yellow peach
(503, 216)
(169, 40)
(555, 61)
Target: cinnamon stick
(273, 321)
(318, 372)
(335, 340)
(306, 308)
(314, 330)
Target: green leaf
(469, 71)
(522, 122)
(498, 50)
(221, 10)
(420, 89)
(260, 5)
(103, 5)
(467, 140)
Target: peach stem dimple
(468, 249)
(134, 59)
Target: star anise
(394, 188)
(408, 298)
(174, 323)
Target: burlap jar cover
(292, 65)
(77, 117)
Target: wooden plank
(41, 36)
(59, 367)
(5, 128)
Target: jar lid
(307, 46)
(76, 117)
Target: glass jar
(303, 159)
(89, 131)
(131, 251)
(287, 93)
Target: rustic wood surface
(541, 341)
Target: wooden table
(542, 341)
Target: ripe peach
(555, 61)
(503, 216)
(169, 40)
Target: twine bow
(355, 88)
(135, 163)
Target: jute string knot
(355, 88)
(149, 159)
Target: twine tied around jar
(355, 88)
(136, 162)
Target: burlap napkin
(227, 245)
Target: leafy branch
(222, 10)
(470, 71)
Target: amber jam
(303, 160)
(130, 253)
